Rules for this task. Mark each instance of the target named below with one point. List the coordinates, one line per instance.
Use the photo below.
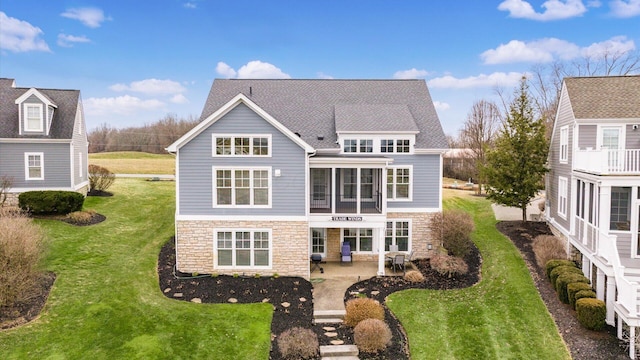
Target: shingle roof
(63, 117)
(604, 97)
(314, 108)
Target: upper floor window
(620, 216)
(376, 144)
(33, 117)
(386, 146)
(402, 146)
(399, 183)
(34, 166)
(350, 146)
(366, 146)
(242, 145)
(242, 187)
(562, 196)
(564, 144)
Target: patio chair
(393, 248)
(346, 254)
(316, 259)
(398, 261)
(407, 260)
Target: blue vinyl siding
(195, 164)
(426, 181)
(56, 164)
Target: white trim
(563, 157)
(38, 94)
(279, 218)
(25, 117)
(233, 137)
(80, 162)
(562, 210)
(429, 151)
(395, 168)
(409, 222)
(233, 249)
(622, 135)
(324, 238)
(357, 236)
(34, 141)
(251, 170)
(376, 142)
(218, 114)
(72, 164)
(81, 185)
(26, 166)
(16, 190)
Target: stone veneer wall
(289, 246)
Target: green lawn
(106, 304)
(502, 317)
(135, 162)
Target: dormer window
(350, 145)
(33, 117)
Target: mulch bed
(23, 312)
(102, 193)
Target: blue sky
(136, 61)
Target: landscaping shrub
(552, 264)
(582, 294)
(100, 179)
(50, 202)
(298, 343)
(453, 229)
(414, 276)
(573, 288)
(21, 251)
(372, 335)
(566, 279)
(547, 247)
(448, 265)
(591, 313)
(81, 217)
(362, 308)
(562, 270)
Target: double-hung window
(399, 183)
(361, 240)
(620, 216)
(564, 144)
(402, 146)
(242, 187)
(386, 146)
(241, 145)
(350, 145)
(366, 146)
(562, 196)
(397, 233)
(33, 117)
(34, 166)
(243, 248)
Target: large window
(361, 240)
(399, 183)
(350, 146)
(242, 145)
(562, 196)
(402, 146)
(564, 144)
(620, 208)
(34, 166)
(243, 248)
(397, 233)
(366, 146)
(242, 187)
(318, 240)
(33, 117)
(386, 146)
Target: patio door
(320, 188)
(611, 140)
(319, 241)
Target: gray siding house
(593, 189)
(278, 170)
(43, 141)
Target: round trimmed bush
(591, 313)
(359, 309)
(414, 276)
(582, 294)
(50, 202)
(562, 270)
(298, 343)
(552, 264)
(573, 288)
(372, 335)
(566, 279)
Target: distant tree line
(151, 138)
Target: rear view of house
(43, 142)
(278, 170)
(593, 188)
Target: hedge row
(50, 202)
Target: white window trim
(80, 164)
(233, 187)
(392, 197)
(564, 145)
(377, 143)
(357, 249)
(393, 236)
(358, 185)
(233, 136)
(563, 193)
(233, 249)
(26, 117)
(600, 132)
(26, 165)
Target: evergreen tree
(515, 167)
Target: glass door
(319, 241)
(612, 143)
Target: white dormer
(36, 112)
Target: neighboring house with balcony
(593, 188)
(43, 140)
(278, 170)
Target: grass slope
(133, 162)
(502, 317)
(106, 304)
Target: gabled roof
(309, 107)
(604, 97)
(63, 118)
(385, 118)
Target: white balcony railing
(608, 162)
(627, 291)
(587, 234)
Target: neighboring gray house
(43, 141)
(281, 169)
(593, 188)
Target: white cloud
(594, 3)
(20, 36)
(151, 87)
(482, 80)
(554, 9)
(625, 8)
(618, 45)
(322, 75)
(410, 74)
(441, 105)
(540, 51)
(179, 99)
(225, 70)
(190, 5)
(69, 40)
(89, 16)
(121, 105)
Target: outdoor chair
(345, 254)
(409, 258)
(393, 248)
(398, 261)
(316, 259)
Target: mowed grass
(106, 302)
(133, 162)
(502, 317)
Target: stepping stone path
(233, 300)
(337, 350)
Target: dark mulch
(22, 313)
(95, 219)
(583, 344)
(103, 193)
